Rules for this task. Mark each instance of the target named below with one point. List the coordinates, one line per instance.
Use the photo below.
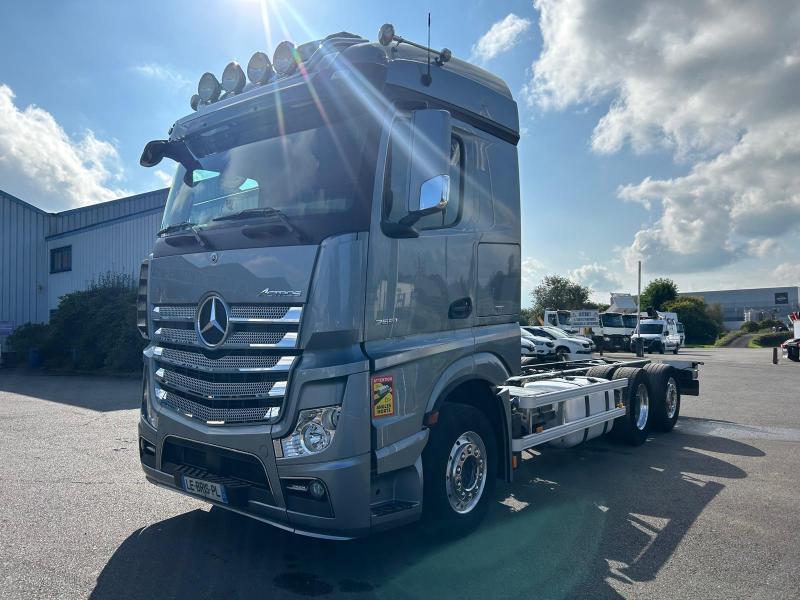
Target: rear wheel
(665, 396)
(459, 468)
(633, 427)
(675, 350)
(794, 353)
(661, 348)
(602, 372)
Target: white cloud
(502, 36)
(787, 273)
(164, 178)
(41, 164)
(597, 277)
(164, 74)
(715, 84)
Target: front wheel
(459, 468)
(793, 353)
(562, 354)
(675, 350)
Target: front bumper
(347, 481)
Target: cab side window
(396, 181)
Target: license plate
(207, 489)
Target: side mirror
(153, 153)
(429, 184)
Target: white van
(657, 335)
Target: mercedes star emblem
(212, 321)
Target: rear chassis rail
(515, 396)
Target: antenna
(426, 79)
(387, 35)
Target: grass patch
(770, 339)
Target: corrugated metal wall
(116, 247)
(86, 216)
(23, 261)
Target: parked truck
(332, 303)
(791, 347)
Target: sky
(666, 131)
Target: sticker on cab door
(383, 396)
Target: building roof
(95, 214)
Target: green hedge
(94, 329)
(770, 339)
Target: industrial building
(754, 304)
(46, 255)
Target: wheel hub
(642, 406)
(466, 472)
(672, 398)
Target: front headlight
(313, 433)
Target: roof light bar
(208, 89)
(285, 58)
(233, 79)
(259, 69)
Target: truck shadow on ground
(578, 523)
(98, 393)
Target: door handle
(460, 309)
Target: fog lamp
(285, 58)
(259, 69)
(233, 79)
(208, 89)
(317, 490)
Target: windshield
(629, 320)
(563, 317)
(318, 179)
(555, 332)
(611, 320)
(656, 328)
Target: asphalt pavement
(710, 510)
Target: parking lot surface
(710, 510)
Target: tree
(658, 292)
(557, 292)
(527, 317)
(693, 312)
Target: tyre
(633, 427)
(675, 350)
(661, 348)
(602, 372)
(562, 353)
(459, 468)
(793, 353)
(665, 396)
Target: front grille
(226, 363)
(214, 389)
(243, 380)
(240, 339)
(236, 415)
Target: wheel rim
(642, 407)
(672, 398)
(466, 472)
(562, 354)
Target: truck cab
(560, 319)
(339, 260)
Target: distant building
(623, 303)
(46, 255)
(753, 304)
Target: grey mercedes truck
(332, 302)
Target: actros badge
(285, 293)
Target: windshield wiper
(187, 225)
(265, 211)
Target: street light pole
(639, 344)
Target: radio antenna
(426, 79)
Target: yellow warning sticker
(383, 396)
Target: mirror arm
(399, 230)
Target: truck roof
(480, 96)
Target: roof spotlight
(259, 69)
(233, 78)
(386, 34)
(195, 101)
(285, 58)
(208, 89)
